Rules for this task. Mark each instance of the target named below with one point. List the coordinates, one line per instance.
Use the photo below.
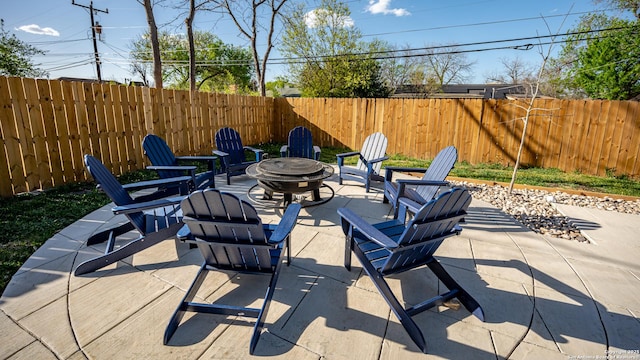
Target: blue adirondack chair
(370, 159)
(300, 144)
(167, 164)
(392, 247)
(232, 152)
(230, 235)
(419, 191)
(156, 219)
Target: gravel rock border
(535, 210)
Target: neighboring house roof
(88, 80)
(289, 92)
(481, 91)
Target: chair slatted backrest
(229, 141)
(114, 190)
(374, 147)
(300, 143)
(159, 153)
(230, 231)
(426, 231)
(438, 171)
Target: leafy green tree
(16, 56)
(600, 58)
(625, 5)
(608, 66)
(328, 57)
(218, 66)
(278, 83)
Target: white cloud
(311, 18)
(382, 7)
(36, 29)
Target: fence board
(631, 141)
(109, 135)
(11, 169)
(50, 163)
(26, 165)
(41, 171)
(73, 131)
(124, 128)
(61, 123)
(138, 127)
(616, 137)
(577, 118)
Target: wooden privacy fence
(590, 136)
(47, 126)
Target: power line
(403, 53)
(526, 46)
(483, 23)
(54, 42)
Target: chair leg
(400, 212)
(181, 309)
(259, 325)
(316, 195)
(107, 234)
(348, 247)
(405, 319)
(288, 245)
(465, 299)
(131, 248)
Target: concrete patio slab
(14, 337)
(542, 297)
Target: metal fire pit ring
(290, 176)
(258, 198)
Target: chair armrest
(197, 158)
(184, 233)
(172, 167)
(340, 157)
(354, 221)
(390, 169)
(154, 204)
(409, 204)
(316, 151)
(258, 152)
(402, 183)
(406, 169)
(286, 225)
(210, 160)
(370, 163)
(252, 149)
(352, 153)
(422, 182)
(220, 153)
(155, 183)
(283, 150)
(373, 161)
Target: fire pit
(291, 176)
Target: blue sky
(63, 30)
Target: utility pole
(93, 32)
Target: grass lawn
(27, 221)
